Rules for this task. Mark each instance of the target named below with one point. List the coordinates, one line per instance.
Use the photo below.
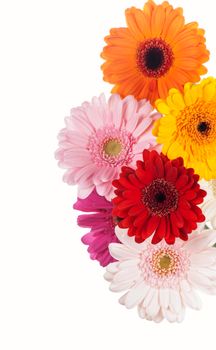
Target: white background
(51, 295)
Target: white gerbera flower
(161, 279)
(209, 205)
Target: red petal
(159, 166)
(141, 219)
(144, 176)
(135, 194)
(183, 235)
(176, 219)
(178, 162)
(131, 231)
(126, 204)
(181, 181)
(146, 155)
(174, 229)
(161, 230)
(126, 170)
(189, 195)
(125, 183)
(116, 184)
(183, 204)
(179, 218)
(188, 214)
(117, 200)
(171, 174)
(152, 225)
(125, 223)
(156, 239)
(133, 179)
(139, 239)
(136, 210)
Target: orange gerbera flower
(156, 52)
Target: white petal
(169, 315)
(108, 276)
(128, 264)
(128, 241)
(113, 267)
(159, 317)
(136, 295)
(185, 286)
(131, 274)
(141, 311)
(198, 242)
(153, 308)
(202, 259)
(148, 298)
(208, 272)
(181, 315)
(198, 279)
(122, 299)
(175, 301)
(213, 222)
(121, 252)
(209, 209)
(164, 297)
(191, 299)
(120, 287)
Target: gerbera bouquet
(145, 164)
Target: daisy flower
(100, 137)
(162, 280)
(160, 198)
(155, 52)
(209, 205)
(188, 128)
(102, 224)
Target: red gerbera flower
(158, 198)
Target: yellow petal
(209, 92)
(188, 98)
(178, 100)
(162, 107)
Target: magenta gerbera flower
(102, 226)
(100, 137)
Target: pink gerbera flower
(102, 226)
(100, 137)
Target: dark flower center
(154, 57)
(203, 127)
(160, 197)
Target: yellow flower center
(112, 148)
(165, 262)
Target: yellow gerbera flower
(188, 126)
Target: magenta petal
(100, 221)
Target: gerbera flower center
(112, 147)
(164, 262)
(203, 127)
(198, 123)
(154, 57)
(164, 266)
(160, 197)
